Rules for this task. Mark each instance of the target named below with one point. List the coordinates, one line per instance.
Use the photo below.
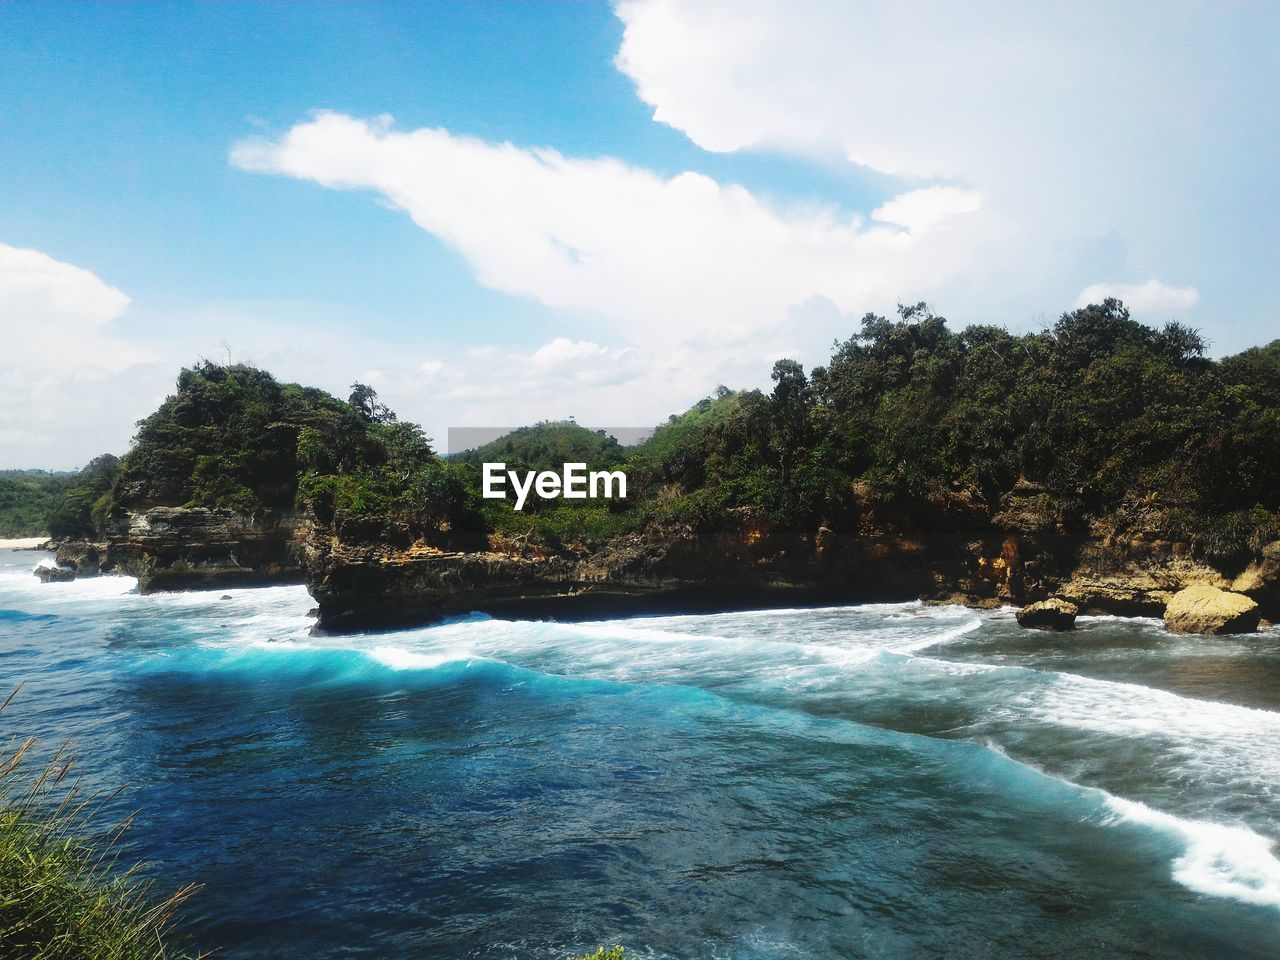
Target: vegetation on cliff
(1106, 416)
(85, 501)
(234, 437)
(548, 445)
(1098, 415)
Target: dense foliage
(25, 499)
(548, 445)
(82, 508)
(1106, 417)
(1109, 416)
(234, 437)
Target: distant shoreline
(21, 543)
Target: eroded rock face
(370, 575)
(1260, 581)
(1133, 578)
(1204, 608)
(49, 574)
(1051, 614)
(365, 578)
(194, 548)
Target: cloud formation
(662, 261)
(1152, 298)
(918, 210)
(55, 314)
(1019, 154)
(1105, 139)
(71, 384)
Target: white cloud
(918, 210)
(663, 261)
(688, 282)
(909, 88)
(1150, 299)
(55, 314)
(906, 88)
(1105, 139)
(599, 385)
(72, 387)
(583, 361)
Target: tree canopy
(1108, 417)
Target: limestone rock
(1135, 578)
(1052, 614)
(1261, 580)
(1202, 608)
(194, 548)
(49, 574)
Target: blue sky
(729, 182)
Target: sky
(502, 213)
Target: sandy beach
(20, 543)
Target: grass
(63, 895)
(605, 953)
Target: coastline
(22, 543)
(366, 580)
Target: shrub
(605, 953)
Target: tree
(364, 400)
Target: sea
(879, 781)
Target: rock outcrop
(1260, 580)
(193, 548)
(1133, 577)
(372, 574)
(375, 573)
(364, 577)
(1051, 614)
(51, 574)
(1204, 608)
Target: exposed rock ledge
(370, 578)
(379, 576)
(376, 574)
(194, 548)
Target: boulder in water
(51, 574)
(1201, 608)
(1051, 614)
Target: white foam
(1200, 753)
(946, 636)
(1219, 860)
(398, 658)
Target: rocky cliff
(373, 575)
(193, 548)
(377, 573)
(381, 576)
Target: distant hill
(25, 499)
(548, 446)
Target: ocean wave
(1219, 860)
(861, 665)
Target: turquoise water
(889, 781)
